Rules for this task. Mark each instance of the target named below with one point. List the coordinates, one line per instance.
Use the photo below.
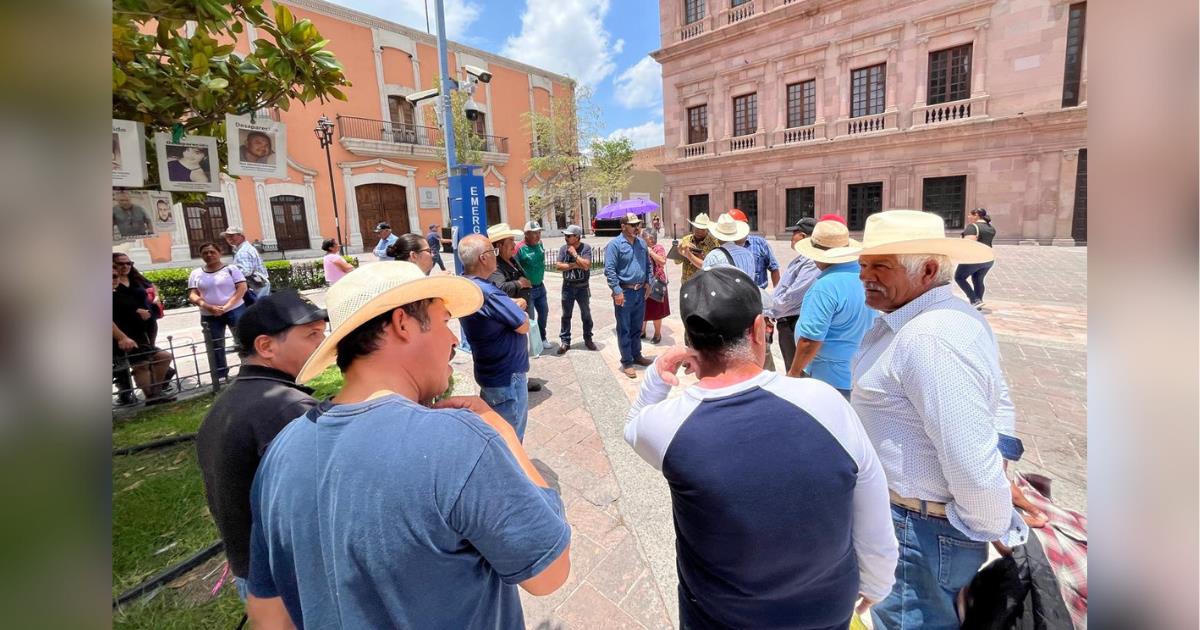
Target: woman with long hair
(413, 248)
(217, 289)
(979, 228)
(132, 349)
(129, 276)
(656, 310)
(335, 265)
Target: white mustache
(871, 286)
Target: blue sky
(600, 43)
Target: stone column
(892, 80)
(979, 61)
(266, 217)
(820, 96)
(310, 213)
(383, 99)
(355, 235)
(769, 210)
(1029, 209)
(1067, 171)
(922, 73)
(180, 249)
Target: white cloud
(567, 37)
(460, 14)
(648, 134)
(640, 85)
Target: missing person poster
(138, 214)
(128, 153)
(190, 165)
(257, 148)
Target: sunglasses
(124, 264)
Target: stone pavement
(623, 556)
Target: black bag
(658, 289)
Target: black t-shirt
(983, 230)
(231, 442)
(506, 276)
(126, 302)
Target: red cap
(738, 215)
(833, 217)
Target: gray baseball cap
(573, 230)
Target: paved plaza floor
(622, 552)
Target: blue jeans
(629, 325)
(216, 329)
(537, 302)
(974, 273)
(511, 402)
(936, 562)
(264, 291)
(243, 588)
(570, 296)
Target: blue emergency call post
(466, 206)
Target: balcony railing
(691, 30)
(745, 143)
(694, 150)
(950, 112)
(887, 121)
(807, 133)
(736, 14)
(403, 133)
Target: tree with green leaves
(468, 144)
(609, 167)
(174, 63)
(557, 156)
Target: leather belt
(930, 508)
(632, 287)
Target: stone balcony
(729, 16)
(862, 125)
(696, 149)
(747, 142)
(974, 108)
(382, 138)
(796, 135)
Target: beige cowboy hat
(499, 232)
(728, 229)
(830, 244)
(374, 289)
(701, 221)
(916, 232)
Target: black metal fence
(191, 369)
(597, 257)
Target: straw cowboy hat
(728, 229)
(701, 221)
(499, 232)
(377, 288)
(916, 232)
(830, 244)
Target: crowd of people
(868, 473)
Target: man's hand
(126, 344)
(864, 605)
(470, 403)
(669, 362)
(571, 249)
(143, 313)
(523, 282)
(1033, 517)
(216, 310)
(619, 299)
(521, 303)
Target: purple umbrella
(621, 208)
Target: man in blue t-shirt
(496, 333)
(435, 240)
(834, 316)
(377, 509)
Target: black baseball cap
(806, 225)
(722, 301)
(276, 313)
(383, 225)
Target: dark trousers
(975, 274)
(216, 330)
(785, 329)
(437, 259)
(537, 304)
(629, 325)
(571, 295)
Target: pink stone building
(790, 108)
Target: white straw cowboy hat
(374, 289)
(701, 221)
(499, 232)
(916, 232)
(728, 229)
(830, 244)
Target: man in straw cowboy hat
(695, 246)
(627, 270)
(496, 333)
(377, 509)
(793, 528)
(834, 316)
(732, 250)
(929, 391)
(765, 263)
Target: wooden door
(381, 202)
(205, 222)
(493, 209)
(1079, 217)
(291, 226)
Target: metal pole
(337, 222)
(446, 88)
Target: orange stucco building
(386, 162)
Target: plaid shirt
(1064, 539)
(246, 259)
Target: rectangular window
(863, 200)
(801, 203)
(950, 75)
(946, 196)
(737, 3)
(1074, 70)
(745, 114)
(697, 204)
(802, 104)
(867, 90)
(697, 124)
(747, 202)
(693, 10)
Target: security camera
(479, 73)
(472, 110)
(417, 97)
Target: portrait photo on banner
(190, 165)
(257, 148)
(129, 153)
(136, 214)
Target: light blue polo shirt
(835, 313)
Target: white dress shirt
(928, 387)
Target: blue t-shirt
(498, 350)
(387, 514)
(835, 312)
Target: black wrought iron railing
(404, 133)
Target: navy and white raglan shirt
(780, 504)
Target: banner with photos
(138, 214)
(190, 165)
(128, 153)
(257, 148)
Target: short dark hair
(364, 340)
(406, 246)
(209, 244)
(713, 348)
(328, 244)
(246, 352)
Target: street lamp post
(324, 133)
